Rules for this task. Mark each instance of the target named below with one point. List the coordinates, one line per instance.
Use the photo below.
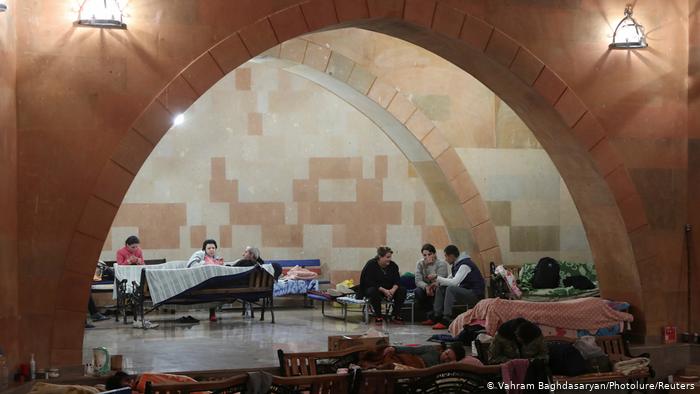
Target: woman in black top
(380, 280)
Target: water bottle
(4, 378)
(32, 368)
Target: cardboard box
(340, 342)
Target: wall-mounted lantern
(628, 34)
(102, 14)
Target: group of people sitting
(131, 254)
(440, 285)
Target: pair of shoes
(187, 320)
(439, 326)
(212, 318)
(145, 325)
(98, 317)
(398, 319)
(378, 320)
(88, 325)
(428, 322)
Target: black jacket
(375, 276)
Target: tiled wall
(528, 201)
(254, 165)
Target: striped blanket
(579, 314)
(170, 279)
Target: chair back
(317, 363)
(318, 384)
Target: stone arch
(608, 202)
(471, 207)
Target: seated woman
(206, 256)
(413, 356)
(517, 338)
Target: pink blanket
(580, 314)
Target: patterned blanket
(292, 286)
(583, 314)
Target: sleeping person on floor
(403, 357)
(517, 339)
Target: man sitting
(427, 270)
(380, 280)
(465, 286)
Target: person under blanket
(413, 356)
(517, 339)
(138, 384)
(251, 256)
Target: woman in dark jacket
(380, 280)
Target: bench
(249, 286)
(318, 363)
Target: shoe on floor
(439, 326)
(184, 319)
(88, 325)
(148, 325)
(191, 319)
(212, 318)
(98, 317)
(428, 322)
(398, 320)
(378, 320)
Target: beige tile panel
(246, 235)
(347, 212)
(419, 124)
(225, 236)
(337, 190)
(359, 235)
(450, 164)
(282, 236)
(436, 235)
(534, 238)
(255, 123)
(535, 213)
(381, 166)
(264, 213)
(317, 236)
(335, 167)
(361, 79)
(370, 190)
(305, 190)
(500, 212)
(493, 254)
(419, 213)
(476, 211)
(485, 235)
(463, 186)
(382, 93)
(339, 66)
(401, 107)
(405, 238)
(198, 234)
(223, 190)
(159, 224)
(293, 50)
(435, 143)
(243, 78)
(317, 57)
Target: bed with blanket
(173, 283)
(570, 318)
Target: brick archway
(608, 203)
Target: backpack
(546, 274)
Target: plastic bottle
(32, 368)
(4, 376)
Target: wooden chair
(233, 385)
(317, 384)
(317, 363)
(443, 378)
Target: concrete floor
(233, 341)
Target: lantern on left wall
(107, 14)
(3, 6)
